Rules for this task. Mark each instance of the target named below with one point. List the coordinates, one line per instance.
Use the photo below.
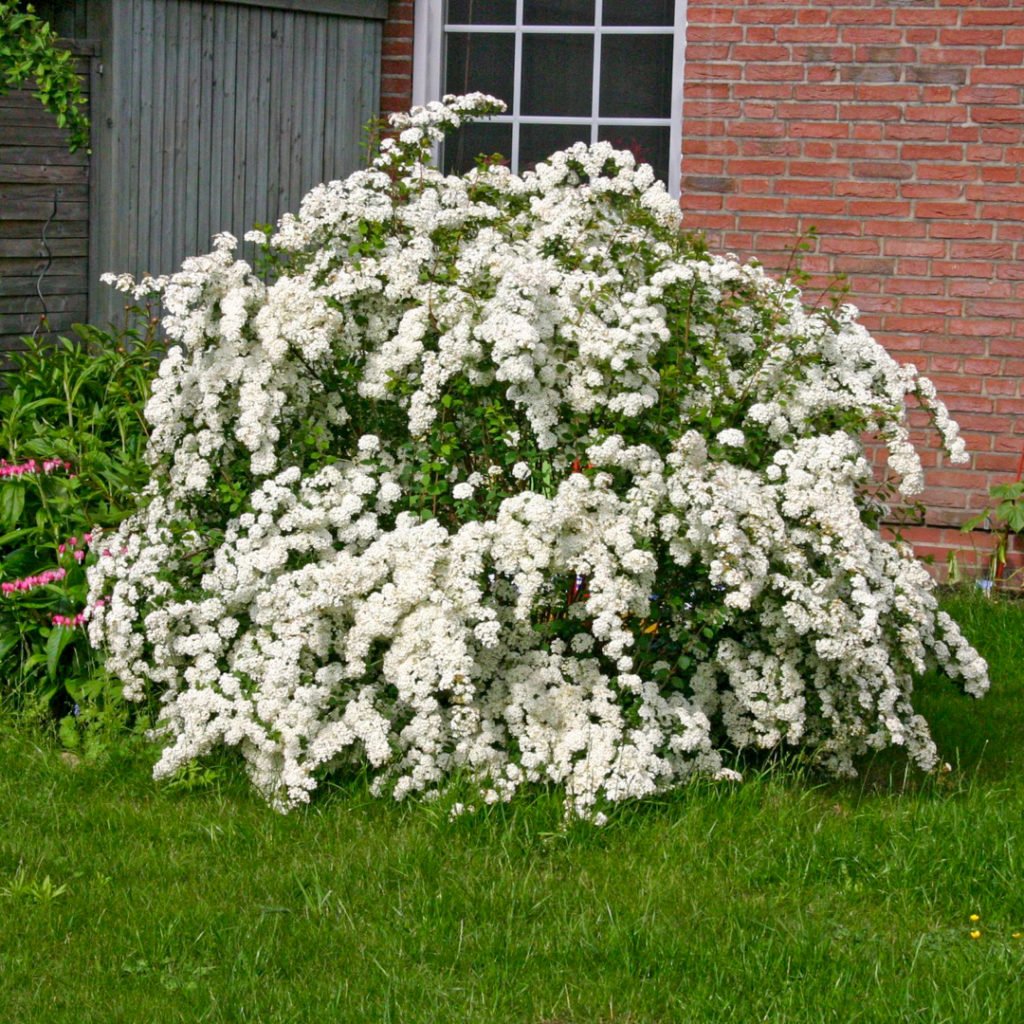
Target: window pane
(463, 147)
(650, 145)
(636, 76)
(538, 141)
(558, 12)
(480, 62)
(481, 12)
(638, 12)
(557, 75)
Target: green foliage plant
(72, 445)
(1005, 517)
(29, 53)
(504, 477)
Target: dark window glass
(558, 12)
(649, 144)
(484, 138)
(558, 73)
(539, 141)
(636, 76)
(480, 62)
(481, 12)
(638, 12)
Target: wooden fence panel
(44, 218)
(215, 116)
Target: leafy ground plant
(503, 476)
(73, 440)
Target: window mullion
(517, 86)
(595, 93)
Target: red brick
(993, 94)
(824, 207)
(997, 115)
(801, 186)
(773, 73)
(971, 17)
(971, 37)
(976, 251)
(993, 289)
(926, 151)
(1000, 386)
(870, 208)
(952, 229)
(700, 14)
(930, 190)
(961, 269)
(945, 115)
(896, 228)
(945, 211)
(901, 247)
(884, 39)
(928, 16)
(745, 52)
(1000, 174)
(939, 306)
(868, 189)
(1001, 134)
(999, 76)
(997, 193)
(998, 55)
(956, 56)
(986, 328)
(944, 172)
(895, 169)
(852, 246)
(766, 15)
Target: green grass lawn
(786, 899)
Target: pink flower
(31, 582)
(70, 621)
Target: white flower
(731, 438)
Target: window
(569, 70)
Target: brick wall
(396, 57)
(895, 129)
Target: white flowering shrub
(503, 476)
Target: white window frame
(428, 72)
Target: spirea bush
(502, 476)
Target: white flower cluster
(499, 474)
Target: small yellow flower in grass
(975, 917)
(1015, 935)
(975, 934)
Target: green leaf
(60, 637)
(12, 504)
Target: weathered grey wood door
(215, 115)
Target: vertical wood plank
(260, 113)
(186, 211)
(166, 200)
(229, 154)
(144, 131)
(276, 101)
(333, 86)
(154, 128)
(204, 130)
(245, 58)
(134, 29)
(220, 140)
